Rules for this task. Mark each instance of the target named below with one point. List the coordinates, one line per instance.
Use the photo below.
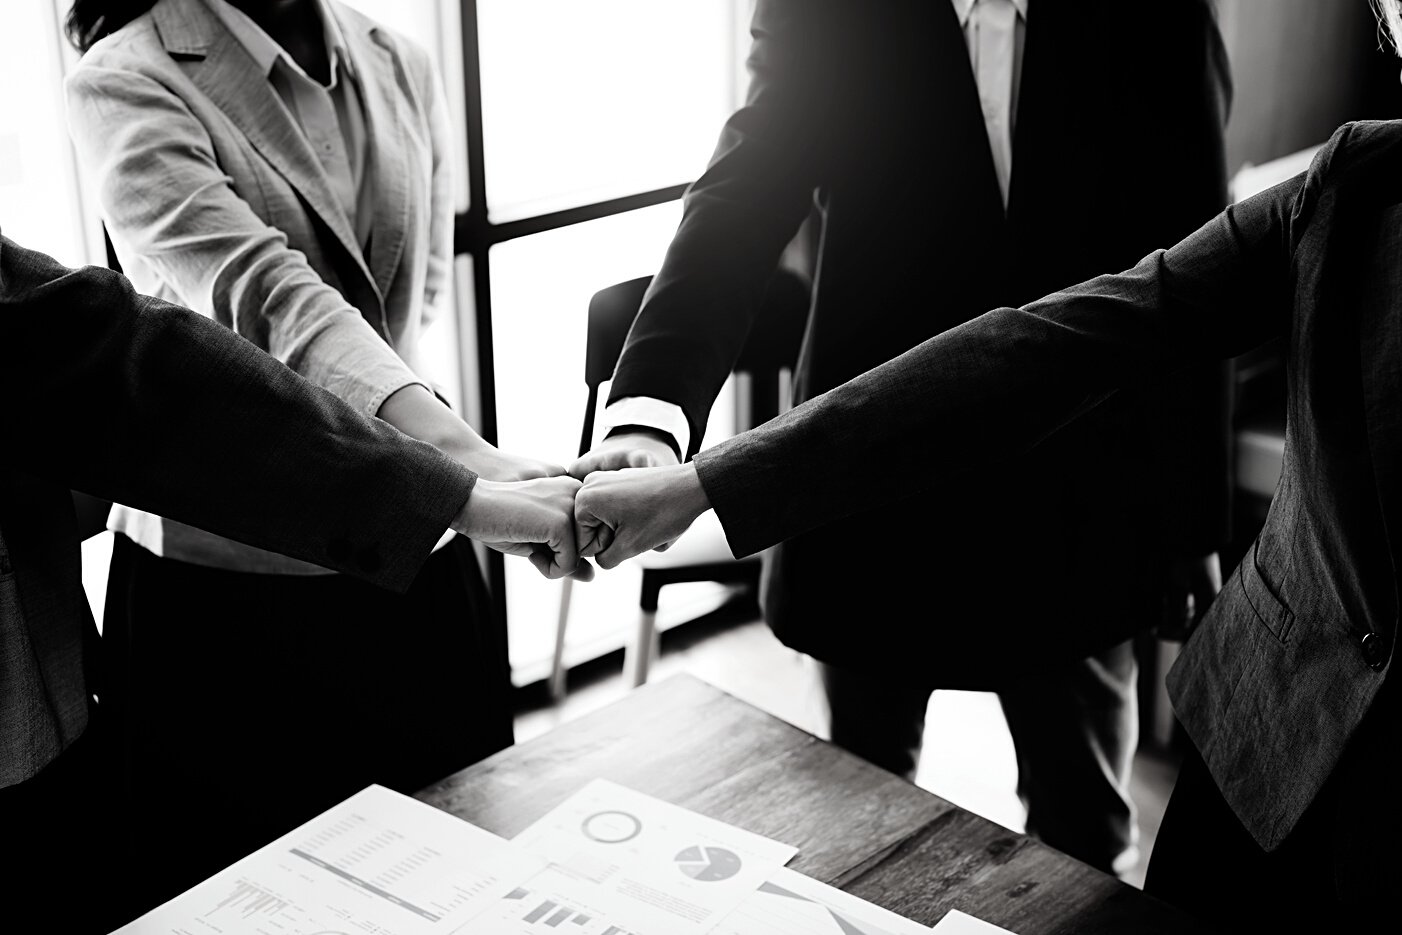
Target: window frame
(475, 234)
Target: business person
(1285, 815)
(129, 398)
(283, 168)
(964, 155)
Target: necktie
(995, 25)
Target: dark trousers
(56, 858)
(1338, 870)
(1074, 731)
(240, 705)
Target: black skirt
(240, 705)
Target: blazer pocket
(1270, 609)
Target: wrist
(691, 495)
(419, 414)
(646, 433)
(483, 491)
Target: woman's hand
(417, 412)
(491, 463)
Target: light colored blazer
(214, 200)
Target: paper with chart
(380, 863)
(644, 866)
(789, 903)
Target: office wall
(1301, 68)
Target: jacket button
(1374, 651)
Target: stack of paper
(608, 861)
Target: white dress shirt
(995, 32)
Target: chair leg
(637, 658)
(557, 665)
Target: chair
(702, 554)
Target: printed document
(648, 867)
(959, 923)
(790, 903)
(380, 863)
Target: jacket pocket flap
(1269, 608)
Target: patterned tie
(995, 25)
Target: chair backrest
(772, 344)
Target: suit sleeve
(165, 196)
(995, 386)
(739, 215)
(137, 401)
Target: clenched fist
(619, 514)
(534, 518)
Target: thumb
(607, 460)
(589, 530)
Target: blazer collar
(369, 51)
(231, 78)
(264, 48)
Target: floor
(968, 757)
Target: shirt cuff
(650, 413)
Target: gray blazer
(1274, 682)
(214, 200)
(131, 399)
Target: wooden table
(856, 826)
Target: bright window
(585, 101)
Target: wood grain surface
(856, 826)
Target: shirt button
(1374, 650)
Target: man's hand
(1192, 585)
(646, 448)
(534, 518)
(619, 514)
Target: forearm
(419, 414)
(771, 156)
(140, 402)
(997, 385)
(174, 211)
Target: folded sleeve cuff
(650, 413)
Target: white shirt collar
(265, 51)
(963, 8)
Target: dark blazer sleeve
(997, 385)
(738, 216)
(144, 403)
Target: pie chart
(708, 864)
(612, 827)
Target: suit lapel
(220, 67)
(1380, 335)
(388, 171)
(958, 117)
(1050, 32)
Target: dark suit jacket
(134, 400)
(873, 106)
(1275, 680)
